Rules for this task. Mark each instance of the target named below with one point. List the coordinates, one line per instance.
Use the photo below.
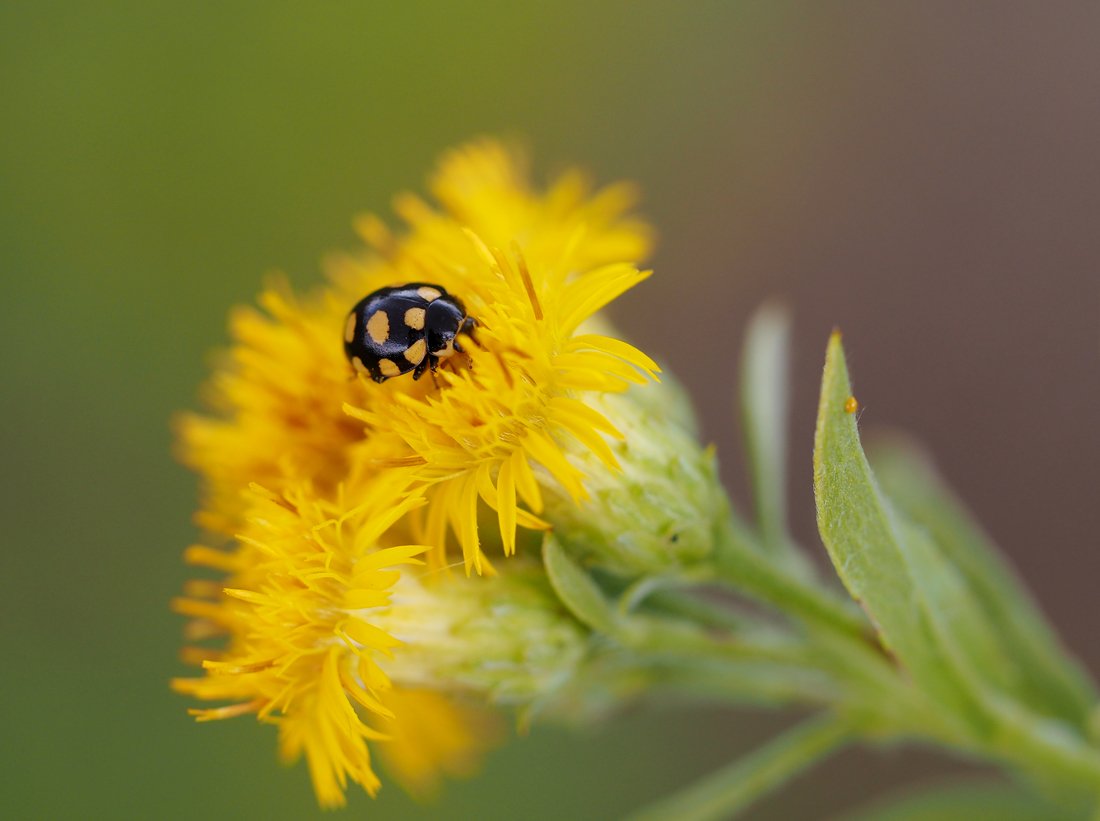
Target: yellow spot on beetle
(388, 367)
(430, 294)
(416, 352)
(349, 328)
(360, 368)
(414, 318)
(446, 350)
(851, 404)
(378, 327)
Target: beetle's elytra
(404, 328)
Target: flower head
(302, 650)
(487, 429)
(327, 639)
(336, 620)
(279, 397)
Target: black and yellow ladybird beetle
(404, 328)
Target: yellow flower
(278, 396)
(323, 478)
(302, 650)
(327, 639)
(483, 433)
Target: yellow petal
(506, 507)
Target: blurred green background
(924, 176)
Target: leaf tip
(836, 364)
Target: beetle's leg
(458, 348)
(418, 371)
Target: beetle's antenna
(468, 327)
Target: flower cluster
(330, 501)
(524, 527)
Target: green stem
(759, 665)
(752, 572)
(1044, 747)
(695, 609)
(741, 683)
(653, 634)
(733, 788)
(878, 692)
(824, 668)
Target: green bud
(657, 513)
(504, 637)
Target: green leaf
(724, 794)
(925, 610)
(1053, 682)
(764, 400)
(969, 640)
(577, 590)
(963, 802)
(918, 601)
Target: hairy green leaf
(966, 637)
(1054, 683)
(866, 544)
(924, 608)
